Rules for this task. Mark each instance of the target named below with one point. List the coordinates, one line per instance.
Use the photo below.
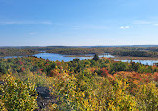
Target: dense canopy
(104, 84)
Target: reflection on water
(59, 57)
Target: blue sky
(78, 22)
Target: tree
(96, 57)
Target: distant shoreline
(78, 56)
(115, 57)
(135, 58)
(119, 57)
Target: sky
(78, 22)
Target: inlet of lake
(66, 58)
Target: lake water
(59, 57)
(145, 62)
(54, 57)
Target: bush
(148, 97)
(17, 95)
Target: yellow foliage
(147, 97)
(17, 95)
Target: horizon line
(79, 46)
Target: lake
(66, 58)
(59, 57)
(145, 62)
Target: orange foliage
(22, 69)
(155, 76)
(54, 72)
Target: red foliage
(46, 64)
(47, 60)
(54, 72)
(20, 62)
(105, 72)
(58, 63)
(22, 69)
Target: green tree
(96, 57)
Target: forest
(78, 55)
(151, 52)
(118, 51)
(31, 83)
(16, 52)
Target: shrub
(17, 95)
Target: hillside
(77, 85)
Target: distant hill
(102, 46)
(23, 47)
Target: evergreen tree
(96, 57)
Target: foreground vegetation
(97, 84)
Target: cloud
(156, 24)
(124, 27)
(25, 23)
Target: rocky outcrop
(44, 97)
